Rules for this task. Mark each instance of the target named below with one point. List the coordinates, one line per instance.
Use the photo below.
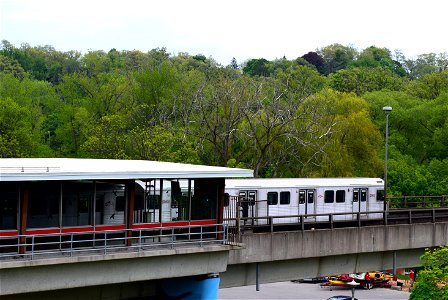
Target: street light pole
(387, 110)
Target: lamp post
(387, 110)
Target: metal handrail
(108, 241)
(411, 214)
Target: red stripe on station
(173, 224)
(9, 233)
(77, 229)
(203, 222)
(110, 227)
(43, 231)
(145, 225)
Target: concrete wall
(66, 273)
(293, 269)
(281, 256)
(303, 254)
(127, 290)
(279, 246)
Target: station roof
(40, 169)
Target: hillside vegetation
(319, 115)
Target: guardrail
(358, 219)
(110, 241)
(417, 201)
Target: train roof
(302, 182)
(39, 169)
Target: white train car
(305, 197)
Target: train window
(43, 205)
(301, 197)
(8, 205)
(380, 195)
(355, 195)
(272, 198)
(120, 203)
(310, 197)
(363, 195)
(226, 199)
(252, 198)
(329, 197)
(340, 196)
(153, 201)
(285, 197)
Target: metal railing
(358, 219)
(110, 241)
(417, 201)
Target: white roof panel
(302, 182)
(31, 169)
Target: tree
(257, 67)
(234, 64)
(374, 57)
(351, 144)
(11, 66)
(362, 80)
(429, 86)
(16, 138)
(316, 60)
(432, 281)
(108, 139)
(337, 57)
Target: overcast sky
(242, 29)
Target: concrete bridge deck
(279, 256)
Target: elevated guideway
(278, 256)
(281, 256)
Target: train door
(247, 204)
(307, 203)
(360, 203)
(363, 203)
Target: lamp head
(387, 109)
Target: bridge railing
(110, 241)
(332, 220)
(417, 201)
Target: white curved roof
(302, 182)
(31, 169)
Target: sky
(243, 29)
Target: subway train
(261, 198)
(167, 202)
(306, 197)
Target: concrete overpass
(279, 256)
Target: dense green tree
(337, 57)
(42, 62)
(257, 67)
(160, 143)
(429, 86)
(16, 134)
(108, 139)
(11, 66)
(362, 80)
(350, 145)
(283, 118)
(425, 64)
(432, 281)
(374, 57)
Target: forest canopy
(319, 115)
